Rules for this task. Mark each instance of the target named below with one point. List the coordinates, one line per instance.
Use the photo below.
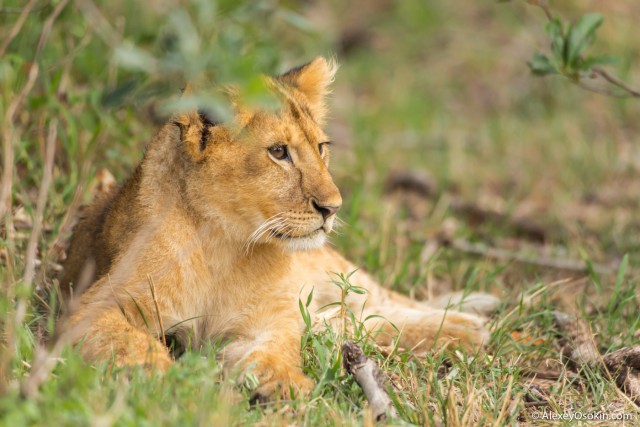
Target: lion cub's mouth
(306, 242)
(287, 236)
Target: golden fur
(231, 237)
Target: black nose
(326, 211)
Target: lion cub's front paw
(277, 380)
(281, 387)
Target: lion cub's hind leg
(479, 303)
(109, 336)
(422, 330)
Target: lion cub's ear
(195, 128)
(313, 80)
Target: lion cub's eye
(321, 147)
(279, 152)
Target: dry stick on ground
(623, 366)
(505, 255)
(423, 186)
(370, 378)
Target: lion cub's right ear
(313, 80)
(195, 128)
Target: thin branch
(544, 5)
(8, 134)
(630, 92)
(542, 261)
(416, 182)
(16, 10)
(43, 363)
(43, 195)
(17, 26)
(370, 378)
(602, 91)
(32, 248)
(99, 24)
(616, 82)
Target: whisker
(252, 239)
(265, 229)
(340, 222)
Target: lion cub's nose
(325, 210)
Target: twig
(32, 247)
(601, 90)
(43, 194)
(24, 13)
(99, 24)
(615, 81)
(8, 134)
(43, 363)
(630, 92)
(16, 10)
(370, 378)
(422, 185)
(464, 245)
(544, 5)
(152, 286)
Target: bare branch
(8, 134)
(616, 82)
(544, 5)
(43, 194)
(464, 245)
(370, 378)
(24, 13)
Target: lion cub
(225, 224)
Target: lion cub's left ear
(313, 80)
(196, 128)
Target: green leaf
(622, 271)
(556, 32)
(309, 298)
(132, 57)
(592, 61)
(580, 36)
(541, 66)
(295, 19)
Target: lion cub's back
(86, 258)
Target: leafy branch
(568, 58)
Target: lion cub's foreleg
(270, 349)
(116, 335)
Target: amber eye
(279, 152)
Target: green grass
(436, 87)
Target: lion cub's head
(264, 177)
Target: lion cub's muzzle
(326, 210)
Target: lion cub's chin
(306, 243)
